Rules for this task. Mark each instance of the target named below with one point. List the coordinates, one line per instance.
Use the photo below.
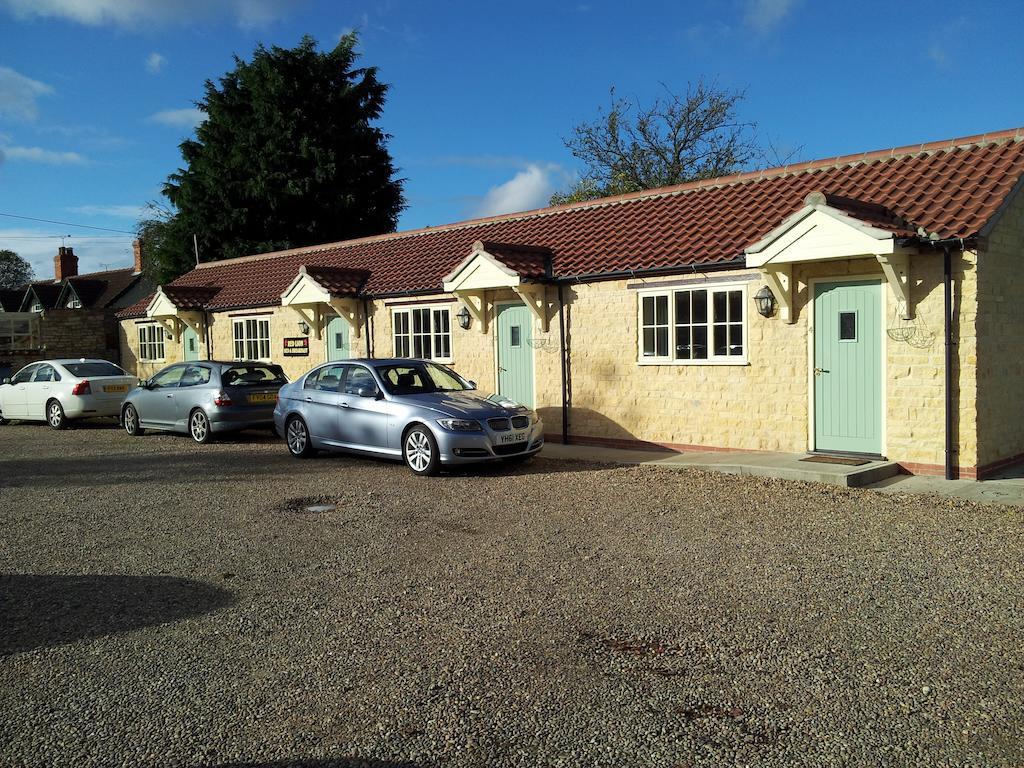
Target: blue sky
(95, 95)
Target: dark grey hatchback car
(205, 397)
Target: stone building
(861, 304)
(72, 315)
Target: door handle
(309, 399)
(344, 405)
(501, 370)
(168, 396)
(818, 371)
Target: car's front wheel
(199, 427)
(130, 420)
(55, 415)
(296, 434)
(420, 451)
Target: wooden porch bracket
(780, 279)
(535, 298)
(477, 304)
(896, 268)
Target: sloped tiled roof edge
(1011, 134)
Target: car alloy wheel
(421, 451)
(297, 437)
(199, 427)
(55, 415)
(131, 421)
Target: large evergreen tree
(287, 156)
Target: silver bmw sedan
(414, 410)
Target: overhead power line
(66, 223)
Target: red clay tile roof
(949, 188)
(528, 260)
(10, 299)
(190, 297)
(339, 282)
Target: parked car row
(416, 411)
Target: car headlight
(461, 425)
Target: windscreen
(253, 376)
(84, 370)
(419, 378)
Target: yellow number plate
(263, 397)
(116, 388)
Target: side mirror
(144, 383)
(471, 384)
(367, 392)
(7, 380)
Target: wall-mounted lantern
(765, 301)
(464, 318)
(304, 327)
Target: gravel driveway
(166, 604)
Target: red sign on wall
(296, 346)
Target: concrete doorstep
(884, 476)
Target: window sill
(688, 363)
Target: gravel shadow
(40, 611)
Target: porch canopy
(828, 228)
(492, 266)
(319, 293)
(177, 307)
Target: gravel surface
(166, 604)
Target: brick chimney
(65, 263)
(137, 250)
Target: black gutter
(564, 362)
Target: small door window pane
(514, 336)
(847, 326)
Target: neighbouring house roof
(10, 299)
(102, 289)
(46, 294)
(943, 189)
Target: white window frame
(409, 336)
(669, 292)
(251, 334)
(152, 343)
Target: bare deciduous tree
(676, 139)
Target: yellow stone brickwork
(1000, 327)
(761, 405)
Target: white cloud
(155, 63)
(40, 155)
(18, 95)
(764, 15)
(135, 13)
(118, 211)
(529, 188)
(39, 246)
(189, 117)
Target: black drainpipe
(366, 328)
(565, 387)
(947, 280)
(209, 350)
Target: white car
(56, 391)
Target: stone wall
(70, 333)
(1000, 327)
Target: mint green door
(848, 366)
(337, 339)
(515, 353)
(190, 345)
